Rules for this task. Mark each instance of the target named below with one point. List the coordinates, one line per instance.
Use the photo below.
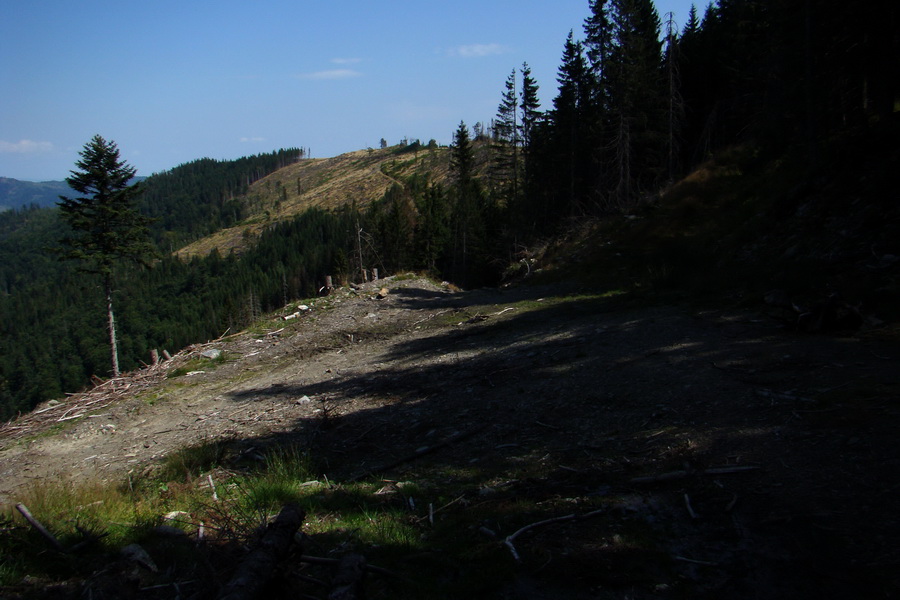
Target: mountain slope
(15, 194)
(358, 178)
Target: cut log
(259, 565)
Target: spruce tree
(107, 226)
(637, 100)
(467, 208)
(570, 114)
(530, 120)
(598, 44)
(529, 106)
(432, 230)
(675, 105)
(504, 172)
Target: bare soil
(651, 411)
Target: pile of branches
(103, 394)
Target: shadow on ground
(564, 404)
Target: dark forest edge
(782, 117)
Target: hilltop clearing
(355, 178)
(727, 457)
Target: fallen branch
(431, 317)
(212, 486)
(672, 475)
(318, 560)
(729, 470)
(39, 528)
(696, 562)
(690, 509)
(508, 542)
(420, 452)
(258, 567)
(347, 583)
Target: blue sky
(173, 81)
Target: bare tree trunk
(362, 267)
(111, 325)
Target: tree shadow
(578, 399)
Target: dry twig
(508, 541)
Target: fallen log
(259, 565)
(347, 583)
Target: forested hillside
(51, 315)
(787, 106)
(15, 194)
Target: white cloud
(253, 139)
(477, 50)
(346, 61)
(25, 147)
(331, 74)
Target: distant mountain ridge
(16, 194)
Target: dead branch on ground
(258, 567)
(508, 541)
(673, 475)
(420, 452)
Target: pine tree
(108, 228)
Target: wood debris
(102, 395)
